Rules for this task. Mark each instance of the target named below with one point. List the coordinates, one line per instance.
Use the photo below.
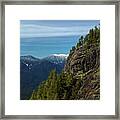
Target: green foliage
(78, 81)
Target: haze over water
(41, 38)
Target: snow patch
(61, 55)
(27, 65)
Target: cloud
(32, 30)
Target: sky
(41, 38)
(50, 28)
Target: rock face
(80, 78)
(84, 64)
(83, 60)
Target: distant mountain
(29, 57)
(34, 70)
(57, 58)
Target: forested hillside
(80, 78)
(33, 71)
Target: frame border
(55, 2)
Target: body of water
(45, 46)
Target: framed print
(60, 60)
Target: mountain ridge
(33, 71)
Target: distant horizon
(45, 56)
(41, 38)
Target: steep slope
(80, 78)
(33, 71)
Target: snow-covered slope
(57, 58)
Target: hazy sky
(51, 28)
